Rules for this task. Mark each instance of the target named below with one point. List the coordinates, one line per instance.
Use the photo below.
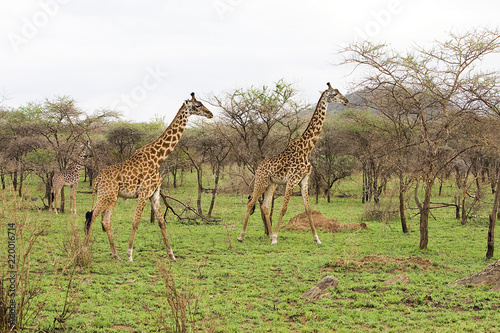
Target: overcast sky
(145, 57)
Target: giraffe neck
(166, 142)
(75, 166)
(310, 137)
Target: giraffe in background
(138, 177)
(291, 167)
(68, 177)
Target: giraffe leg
(284, 207)
(57, 192)
(305, 196)
(106, 225)
(72, 199)
(260, 186)
(266, 204)
(141, 202)
(155, 203)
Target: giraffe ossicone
(138, 177)
(290, 168)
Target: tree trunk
(424, 216)
(214, 192)
(2, 177)
(14, 180)
(91, 176)
(364, 197)
(199, 174)
(21, 179)
(464, 210)
(174, 176)
(493, 219)
(464, 197)
(402, 204)
(48, 188)
(457, 207)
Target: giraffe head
(86, 149)
(194, 107)
(334, 96)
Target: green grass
(255, 287)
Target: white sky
(145, 57)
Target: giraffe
(138, 177)
(290, 168)
(68, 177)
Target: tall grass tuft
(24, 288)
(72, 245)
(183, 304)
(19, 235)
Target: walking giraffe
(138, 177)
(68, 177)
(290, 167)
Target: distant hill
(354, 101)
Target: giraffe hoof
(274, 239)
(316, 239)
(116, 257)
(171, 255)
(240, 239)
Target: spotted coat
(291, 167)
(138, 177)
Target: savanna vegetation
(415, 157)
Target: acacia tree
(367, 142)
(124, 137)
(487, 92)
(218, 149)
(19, 136)
(331, 161)
(433, 85)
(192, 145)
(260, 122)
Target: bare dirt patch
(122, 328)
(376, 263)
(301, 223)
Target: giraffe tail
(88, 221)
(253, 208)
(250, 197)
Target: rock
(315, 293)
(402, 279)
(487, 277)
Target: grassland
(227, 286)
